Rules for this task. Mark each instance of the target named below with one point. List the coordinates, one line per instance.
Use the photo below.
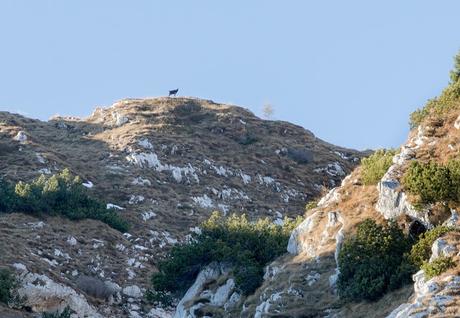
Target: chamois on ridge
(173, 92)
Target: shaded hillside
(165, 164)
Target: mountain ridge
(165, 164)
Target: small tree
(268, 110)
(455, 73)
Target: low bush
(438, 106)
(373, 261)
(455, 73)
(66, 313)
(375, 166)
(8, 283)
(245, 246)
(421, 251)
(311, 205)
(60, 194)
(301, 156)
(447, 101)
(437, 266)
(382, 258)
(432, 182)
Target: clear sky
(349, 71)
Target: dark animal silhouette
(173, 92)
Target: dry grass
(96, 149)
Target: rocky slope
(166, 164)
(303, 282)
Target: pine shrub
(59, 194)
(437, 266)
(373, 261)
(432, 182)
(375, 166)
(7, 284)
(421, 251)
(243, 245)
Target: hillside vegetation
(234, 241)
(59, 194)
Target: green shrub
(7, 284)
(375, 166)
(455, 73)
(432, 182)
(437, 266)
(311, 205)
(417, 116)
(66, 313)
(421, 251)
(7, 196)
(454, 173)
(60, 194)
(246, 246)
(447, 101)
(373, 261)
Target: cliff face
(165, 164)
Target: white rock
(339, 238)
(20, 267)
(21, 137)
(36, 225)
(223, 293)
(150, 160)
(145, 143)
(295, 244)
(332, 169)
(246, 178)
(392, 202)
(132, 291)
(40, 158)
(114, 206)
(112, 286)
(196, 230)
(159, 313)
(452, 221)
(210, 272)
(44, 295)
(135, 199)
(88, 184)
(234, 299)
(72, 241)
(271, 271)
(148, 215)
(203, 201)
(441, 248)
(44, 171)
(331, 197)
(312, 278)
(142, 182)
(264, 307)
(119, 119)
(457, 123)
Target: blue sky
(349, 71)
